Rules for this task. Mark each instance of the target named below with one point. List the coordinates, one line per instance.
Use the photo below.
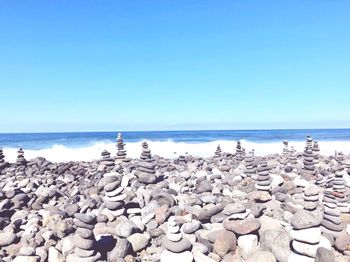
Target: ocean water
(88, 145)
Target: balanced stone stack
(239, 151)
(106, 163)
(311, 197)
(309, 161)
(339, 191)
(306, 234)
(293, 159)
(121, 153)
(175, 244)
(331, 223)
(182, 160)
(285, 150)
(249, 166)
(263, 182)
(114, 196)
(21, 161)
(145, 170)
(316, 152)
(339, 157)
(84, 240)
(218, 153)
(3, 164)
(309, 141)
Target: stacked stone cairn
(3, 164)
(309, 141)
(239, 152)
(182, 160)
(121, 152)
(21, 161)
(176, 246)
(114, 197)
(339, 190)
(263, 182)
(84, 240)
(218, 152)
(106, 163)
(249, 166)
(293, 158)
(145, 170)
(331, 223)
(285, 150)
(308, 160)
(316, 152)
(306, 231)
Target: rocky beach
(233, 206)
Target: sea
(87, 146)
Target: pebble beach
(233, 206)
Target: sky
(173, 65)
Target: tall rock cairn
(293, 159)
(21, 161)
(250, 169)
(114, 197)
(106, 163)
(263, 182)
(84, 239)
(285, 150)
(145, 170)
(308, 157)
(239, 152)
(3, 164)
(218, 152)
(316, 152)
(121, 152)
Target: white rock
(55, 255)
(247, 244)
(309, 249)
(168, 256)
(299, 258)
(310, 235)
(276, 180)
(200, 257)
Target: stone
(324, 255)
(247, 244)
(120, 250)
(168, 256)
(7, 238)
(342, 243)
(125, 228)
(138, 241)
(191, 227)
(176, 247)
(306, 219)
(242, 227)
(55, 255)
(261, 256)
(277, 242)
(225, 242)
(310, 235)
(310, 250)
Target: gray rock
(324, 255)
(277, 242)
(191, 227)
(306, 219)
(120, 250)
(176, 247)
(138, 241)
(7, 238)
(125, 228)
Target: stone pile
(106, 163)
(339, 190)
(3, 163)
(239, 152)
(331, 223)
(339, 157)
(145, 170)
(316, 152)
(311, 197)
(263, 182)
(250, 169)
(293, 158)
(306, 234)
(309, 141)
(175, 244)
(308, 161)
(21, 161)
(114, 196)
(84, 239)
(218, 152)
(182, 160)
(121, 152)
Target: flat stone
(86, 218)
(168, 256)
(305, 219)
(309, 249)
(242, 227)
(261, 256)
(82, 243)
(138, 241)
(176, 247)
(85, 233)
(190, 227)
(309, 235)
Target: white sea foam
(168, 149)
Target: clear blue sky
(155, 65)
